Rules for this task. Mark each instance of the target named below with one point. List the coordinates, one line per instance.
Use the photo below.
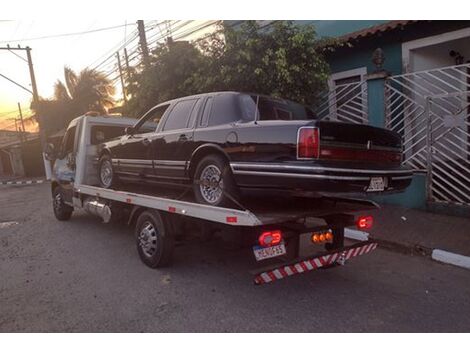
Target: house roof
(374, 30)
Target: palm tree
(89, 90)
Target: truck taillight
(308, 143)
(365, 222)
(270, 238)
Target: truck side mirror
(129, 130)
(50, 152)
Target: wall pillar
(376, 98)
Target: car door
(64, 165)
(174, 143)
(135, 154)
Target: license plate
(376, 184)
(262, 253)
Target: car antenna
(257, 111)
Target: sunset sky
(78, 51)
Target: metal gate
(430, 109)
(346, 102)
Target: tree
(89, 90)
(170, 74)
(282, 60)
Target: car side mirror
(50, 152)
(129, 130)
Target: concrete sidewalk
(419, 232)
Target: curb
(451, 258)
(30, 182)
(435, 254)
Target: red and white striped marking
(30, 182)
(312, 264)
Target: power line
(16, 83)
(19, 56)
(66, 34)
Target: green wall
(363, 57)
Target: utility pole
(34, 92)
(21, 117)
(128, 68)
(143, 42)
(122, 78)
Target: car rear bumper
(317, 178)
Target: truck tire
(106, 175)
(155, 243)
(62, 211)
(214, 169)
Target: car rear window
(274, 109)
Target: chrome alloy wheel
(148, 239)
(211, 184)
(106, 173)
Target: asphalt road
(85, 276)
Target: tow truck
(274, 229)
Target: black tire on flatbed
(224, 195)
(154, 241)
(106, 161)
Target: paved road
(82, 275)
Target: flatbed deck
(256, 214)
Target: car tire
(106, 175)
(62, 211)
(214, 168)
(154, 242)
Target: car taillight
(270, 238)
(308, 143)
(365, 222)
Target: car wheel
(62, 211)
(106, 172)
(213, 182)
(154, 244)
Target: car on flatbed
(225, 142)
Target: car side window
(152, 120)
(207, 112)
(225, 110)
(179, 116)
(195, 113)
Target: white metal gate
(346, 102)
(430, 109)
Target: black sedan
(225, 142)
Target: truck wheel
(106, 172)
(62, 211)
(213, 180)
(154, 244)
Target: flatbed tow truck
(273, 228)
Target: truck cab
(87, 131)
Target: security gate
(345, 102)
(449, 157)
(431, 110)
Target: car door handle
(183, 138)
(146, 141)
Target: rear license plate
(262, 253)
(377, 184)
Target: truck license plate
(376, 184)
(262, 253)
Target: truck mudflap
(338, 257)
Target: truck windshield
(274, 109)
